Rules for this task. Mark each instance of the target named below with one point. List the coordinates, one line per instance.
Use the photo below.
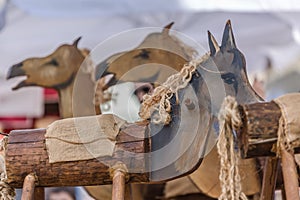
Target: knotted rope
(229, 120)
(6, 192)
(159, 102)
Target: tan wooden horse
(59, 69)
(154, 60)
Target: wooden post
(28, 187)
(269, 179)
(118, 189)
(290, 175)
(119, 175)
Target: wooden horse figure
(59, 69)
(220, 73)
(225, 64)
(160, 55)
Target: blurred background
(266, 31)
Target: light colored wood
(28, 187)
(269, 179)
(290, 175)
(118, 189)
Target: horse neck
(65, 101)
(77, 98)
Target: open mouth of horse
(16, 71)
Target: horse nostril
(15, 70)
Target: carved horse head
(219, 73)
(160, 55)
(56, 70)
(59, 69)
(228, 62)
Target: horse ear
(75, 43)
(213, 44)
(228, 38)
(167, 28)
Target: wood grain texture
(259, 131)
(258, 135)
(269, 179)
(26, 153)
(290, 175)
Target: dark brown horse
(220, 73)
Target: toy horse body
(225, 64)
(221, 73)
(59, 71)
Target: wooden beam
(259, 132)
(26, 153)
(258, 136)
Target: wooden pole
(28, 187)
(119, 175)
(290, 175)
(269, 179)
(118, 189)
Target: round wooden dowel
(118, 190)
(119, 175)
(28, 187)
(269, 179)
(290, 175)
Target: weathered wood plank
(259, 133)
(26, 153)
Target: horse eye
(144, 54)
(53, 62)
(228, 78)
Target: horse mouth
(16, 71)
